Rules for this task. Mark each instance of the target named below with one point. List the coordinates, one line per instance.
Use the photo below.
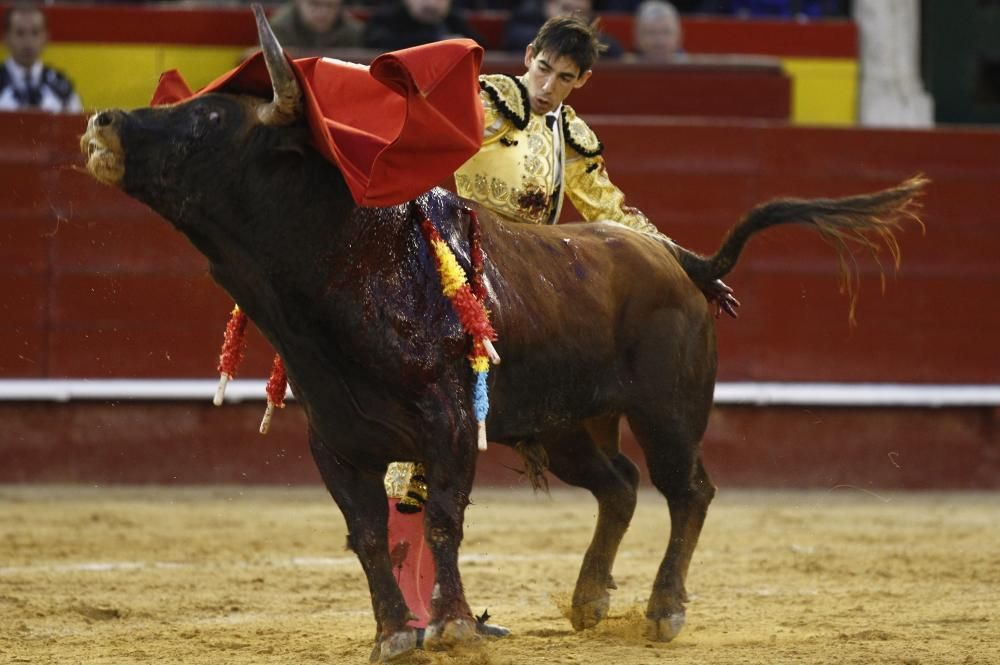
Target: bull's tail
(865, 222)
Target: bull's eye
(214, 117)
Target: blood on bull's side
(350, 298)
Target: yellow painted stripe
(824, 90)
(125, 75)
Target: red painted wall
(707, 88)
(931, 325)
(94, 285)
(194, 442)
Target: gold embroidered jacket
(514, 173)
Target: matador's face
(551, 78)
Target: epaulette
(578, 135)
(509, 96)
(58, 83)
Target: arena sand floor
(261, 575)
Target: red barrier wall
(705, 87)
(94, 285)
(188, 442)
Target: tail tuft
(866, 222)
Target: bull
(595, 322)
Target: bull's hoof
(491, 630)
(591, 613)
(665, 628)
(451, 633)
(394, 646)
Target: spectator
(25, 82)
(316, 24)
(629, 6)
(408, 23)
(528, 18)
(480, 5)
(658, 33)
(777, 8)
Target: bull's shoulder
(507, 96)
(579, 135)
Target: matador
(536, 151)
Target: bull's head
(170, 156)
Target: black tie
(550, 120)
(32, 92)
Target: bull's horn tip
(259, 14)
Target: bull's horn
(284, 109)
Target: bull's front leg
(361, 498)
(451, 467)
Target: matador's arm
(597, 198)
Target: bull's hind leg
(677, 471)
(361, 498)
(575, 458)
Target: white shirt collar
(17, 72)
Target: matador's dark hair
(570, 36)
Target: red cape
(395, 129)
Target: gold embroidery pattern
(533, 204)
(508, 96)
(498, 189)
(596, 197)
(490, 113)
(397, 479)
(535, 143)
(482, 185)
(579, 136)
(513, 177)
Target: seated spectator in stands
(658, 33)
(777, 8)
(527, 19)
(316, 24)
(408, 23)
(630, 6)
(480, 5)
(26, 83)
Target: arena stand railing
(115, 52)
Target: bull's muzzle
(102, 147)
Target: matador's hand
(720, 295)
